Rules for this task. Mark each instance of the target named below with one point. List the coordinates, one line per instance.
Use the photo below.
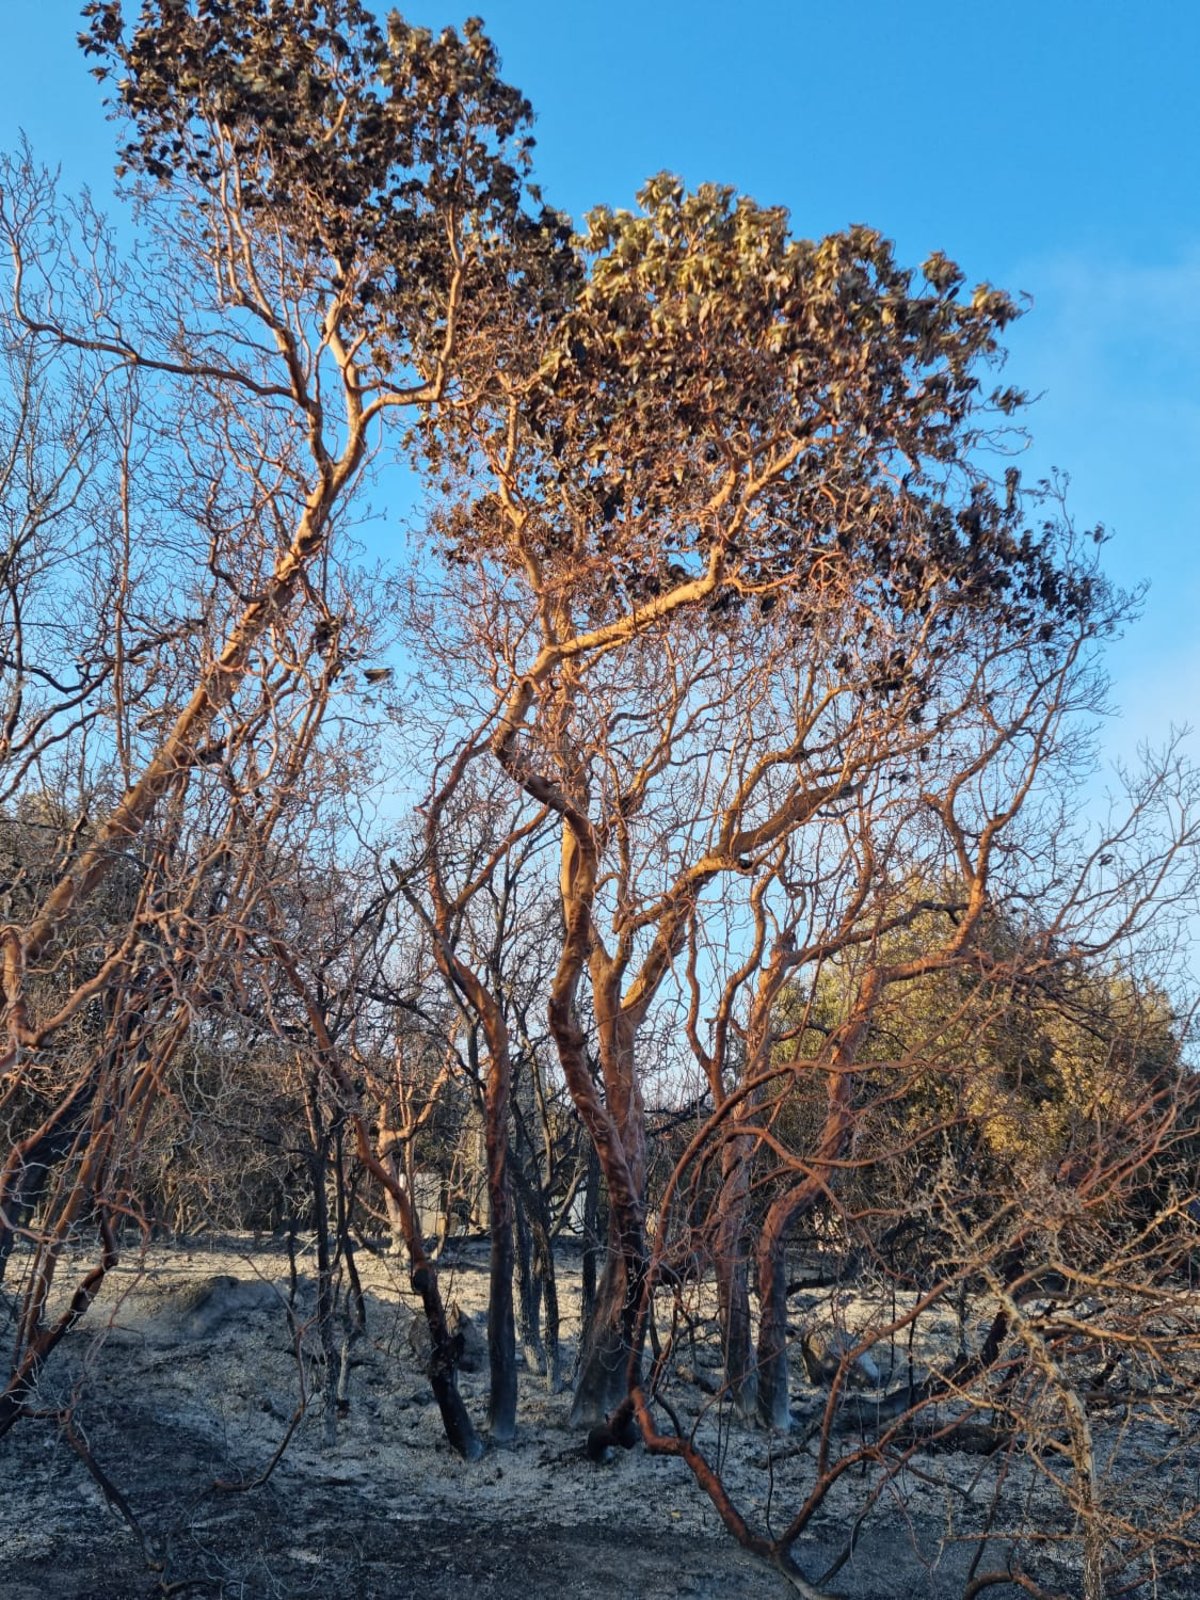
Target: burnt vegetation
(668, 868)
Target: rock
(197, 1309)
(473, 1356)
(823, 1359)
(865, 1368)
(469, 1338)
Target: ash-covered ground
(184, 1380)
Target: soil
(184, 1380)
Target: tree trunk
(732, 1252)
(398, 1246)
(612, 1351)
(774, 1398)
(317, 1157)
(774, 1405)
(460, 1431)
(591, 1242)
(356, 1301)
(30, 1162)
(529, 1296)
(547, 1286)
(502, 1335)
(35, 1339)
(326, 1332)
(443, 1377)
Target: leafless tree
(218, 408)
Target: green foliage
(1018, 1066)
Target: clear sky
(1051, 146)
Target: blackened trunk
(543, 1275)
(591, 1243)
(774, 1398)
(529, 1296)
(604, 1360)
(317, 1157)
(460, 1431)
(326, 1332)
(502, 1343)
(30, 1163)
(39, 1342)
(443, 1379)
(732, 1250)
(502, 1332)
(612, 1352)
(741, 1372)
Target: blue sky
(1050, 146)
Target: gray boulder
(469, 1337)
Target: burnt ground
(304, 1536)
(186, 1376)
